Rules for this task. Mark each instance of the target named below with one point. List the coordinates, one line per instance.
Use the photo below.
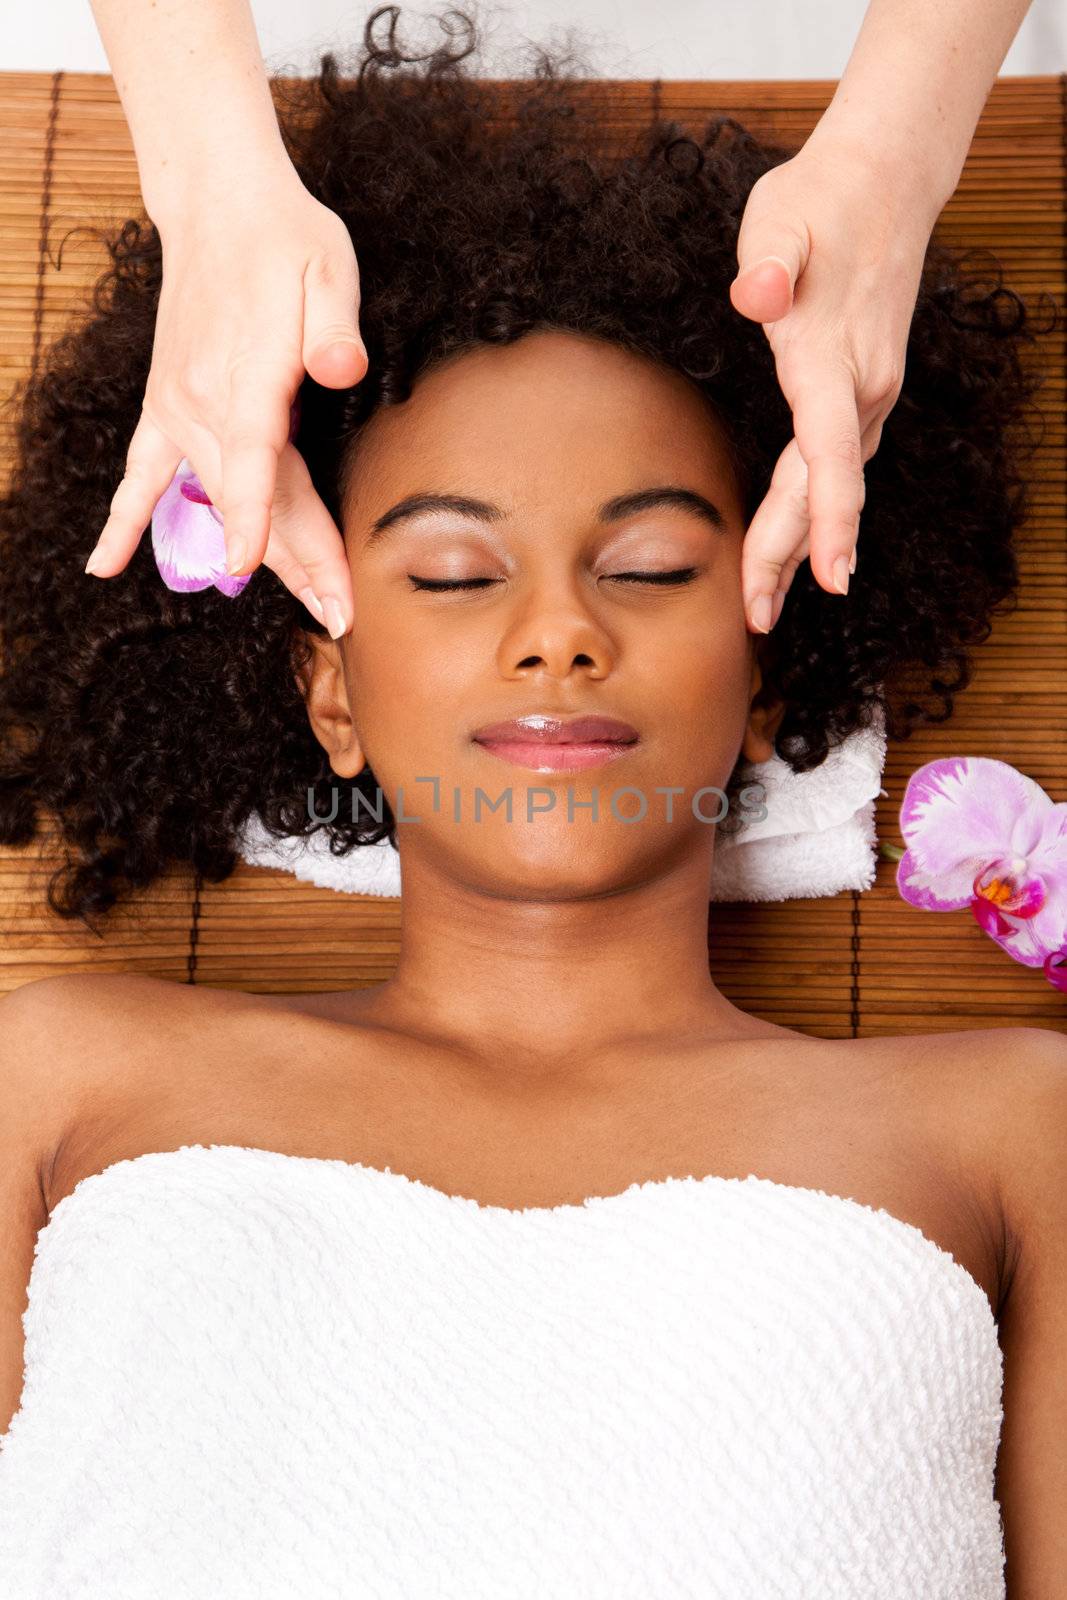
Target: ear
(764, 719)
(324, 690)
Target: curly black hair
(153, 724)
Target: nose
(556, 631)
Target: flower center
(1018, 892)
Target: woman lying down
(540, 1269)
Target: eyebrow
(623, 505)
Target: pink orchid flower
(187, 532)
(981, 834)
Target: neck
(526, 983)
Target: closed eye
(679, 575)
(439, 585)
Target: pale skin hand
(848, 220)
(912, 92)
(260, 284)
(221, 383)
(830, 258)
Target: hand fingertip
(760, 613)
(335, 617)
(841, 573)
(236, 554)
(313, 603)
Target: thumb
(333, 351)
(770, 260)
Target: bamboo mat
(852, 964)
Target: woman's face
(542, 443)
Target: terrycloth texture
(253, 1376)
(817, 838)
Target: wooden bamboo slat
(852, 964)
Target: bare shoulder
(40, 1026)
(983, 1054)
(56, 1025)
(63, 993)
(972, 1079)
(1000, 1095)
(995, 1103)
(1016, 1079)
(68, 1040)
(1027, 1128)
(70, 1013)
(45, 1027)
(61, 997)
(1027, 1131)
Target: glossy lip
(557, 727)
(557, 742)
(556, 757)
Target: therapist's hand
(260, 284)
(830, 256)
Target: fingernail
(93, 563)
(335, 620)
(236, 554)
(852, 563)
(841, 571)
(761, 613)
(779, 602)
(313, 603)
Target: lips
(549, 728)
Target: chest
(807, 1118)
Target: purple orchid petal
(999, 927)
(193, 489)
(1037, 933)
(1029, 940)
(1055, 965)
(917, 888)
(983, 835)
(959, 815)
(188, 540)
(1048, 928)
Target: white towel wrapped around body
(255, 1376)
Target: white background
(624, 38)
